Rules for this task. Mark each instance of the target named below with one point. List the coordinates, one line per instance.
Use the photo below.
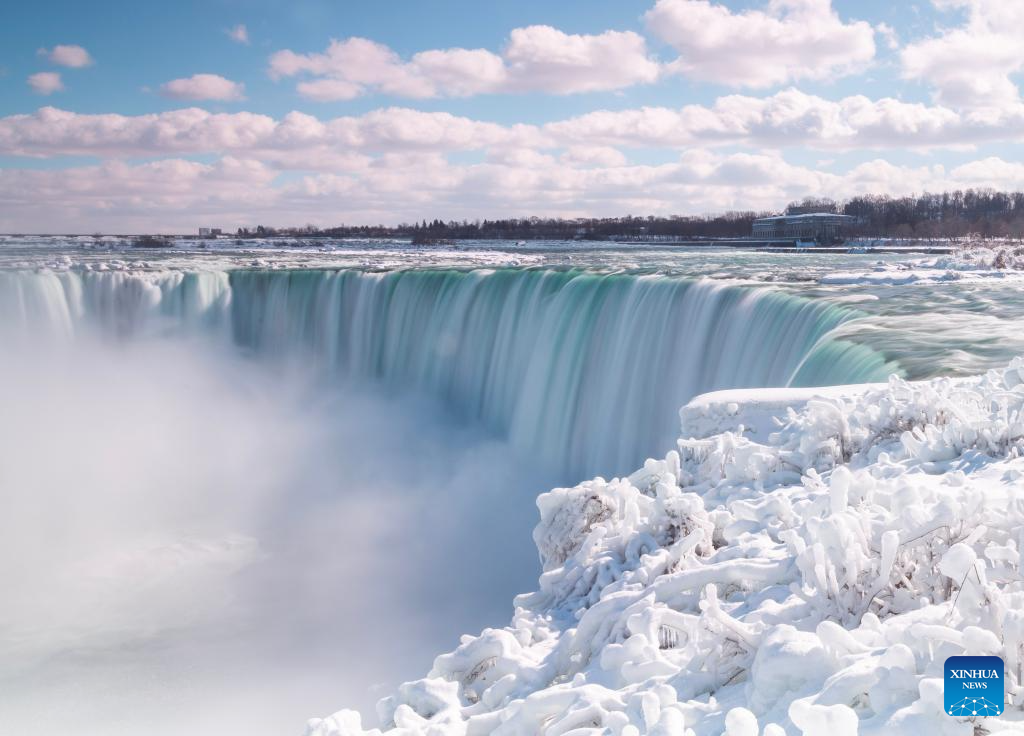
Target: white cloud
(451, 73)
(118, 197)
(67, 55)
(412, 185)
(50, 132)
(794, 118)
(239, 34)
(526, 158)
(537, 58)
(203, 87)
(301, 141)
(329, 90)
(991, 172)
(546, 59)
(889, 35)
(45, 83)
(788, 40)
(972, 65)
(604, 156)
(358, 64)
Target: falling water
(584, 371)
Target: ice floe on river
(804, 563)
(972, 264)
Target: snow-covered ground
(803, 564)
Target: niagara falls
(235, 444)
(594, 368)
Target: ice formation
(974, 262)
(802, 564)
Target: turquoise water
(582, 370)
(581, 354)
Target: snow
(897, 276)
(803, 563)
(971, 264)
(117, 253)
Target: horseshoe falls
(583, 371)
(274, 468)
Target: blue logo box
(973, 686)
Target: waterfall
(584, 371)
(52, 304)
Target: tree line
(979, 212)
(982, 212)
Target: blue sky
(458, 109)
(192, 40)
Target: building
(823, 227)
(209, 232)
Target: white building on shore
(821, 226)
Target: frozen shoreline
(803, 564)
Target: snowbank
(974, 263)
(803, 564)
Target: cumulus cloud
(536, 58)
(411, 185)
(972, 65)
(788, 40)
(792, 117)
(301, 141)
(51, 131)
(593, 156)
(203, 87)
(239, 34)
(67, 55)
(122, 196)
(889, 35)
(45, 83)
(546, 59)
(329, 90)
(399, 186)
(991, 172)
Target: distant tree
(930, 215)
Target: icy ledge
(803, 564)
